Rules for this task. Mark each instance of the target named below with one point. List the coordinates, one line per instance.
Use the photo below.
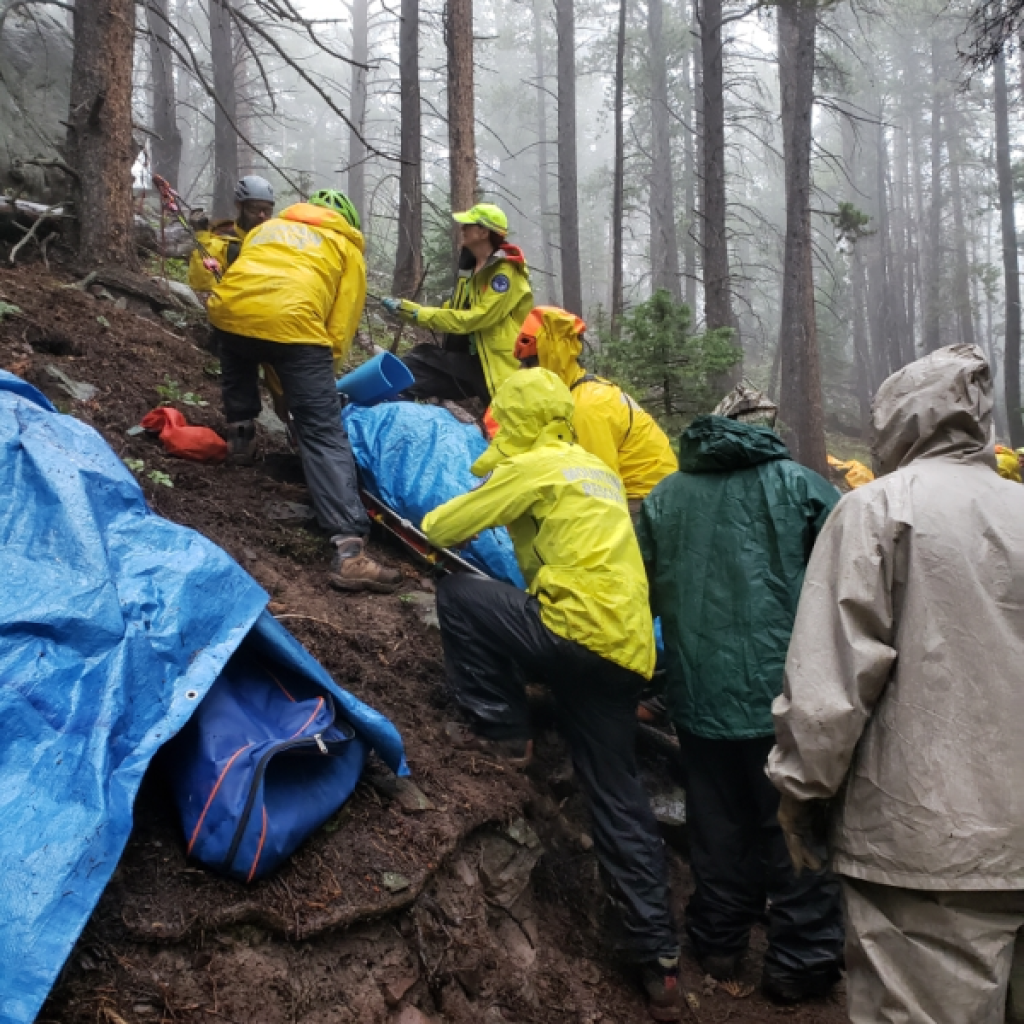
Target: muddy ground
(481, 903)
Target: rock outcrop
(35, 79)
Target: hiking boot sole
(462, 739)
(371, 585)
(665, 1013)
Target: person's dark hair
(497, 241)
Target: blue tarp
(114, 623)
(416, 457)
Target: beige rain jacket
(904, 686)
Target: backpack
(260, 765)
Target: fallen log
(138, 286)
(173, 242)
(22, 208)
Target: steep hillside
(473, 897)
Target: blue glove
(391, 305)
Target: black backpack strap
(233, 249)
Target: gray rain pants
(916, 956)
(307, 376)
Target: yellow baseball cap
(487, 215)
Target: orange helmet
(526, 343)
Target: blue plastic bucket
(378, 379)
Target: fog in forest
(905, 229)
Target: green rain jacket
(726, 541)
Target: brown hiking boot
(664, 992)
(515, 753)
(241, 437)
(353, 569)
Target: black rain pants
(741, 865)
(307, 376)
(444, 374)
(493, 638)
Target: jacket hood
(559, 345)
(715, 444)
(532, 408)
(505, 253)
(226, 227)
(322, 217)
(509, 252)
(940, 405)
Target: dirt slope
(484, 906)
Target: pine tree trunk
(801, 403)
(864, 373)
(975, 283)
(689, 184)
(461, 133)
(664, 241)
(912, 205)
(875, 277)
(700, 226)
(167, 144)
(1011, 269)
(933, 265)
(99, 141)
(898, 250)
(225, 139)
(990, 348)
(550, 286)
(961, 266)
(889, 349)
(916, 271)
(717, 282)
(618, 176)
(861, 353)
(409, 255)
(568, 202)
(248, 121)
(357, 107)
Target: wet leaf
(736, 989)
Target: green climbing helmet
(335, 200)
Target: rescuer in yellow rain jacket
(292, 300)
(1007, 464)
(583, 627)
(855, 473)
(254, 203)
(480, 322)
(608, 423)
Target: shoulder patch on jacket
(500, 283)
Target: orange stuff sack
(200, 444)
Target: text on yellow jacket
(608, 423)
(567, 516)
(299, 279)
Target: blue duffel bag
(264, 761)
